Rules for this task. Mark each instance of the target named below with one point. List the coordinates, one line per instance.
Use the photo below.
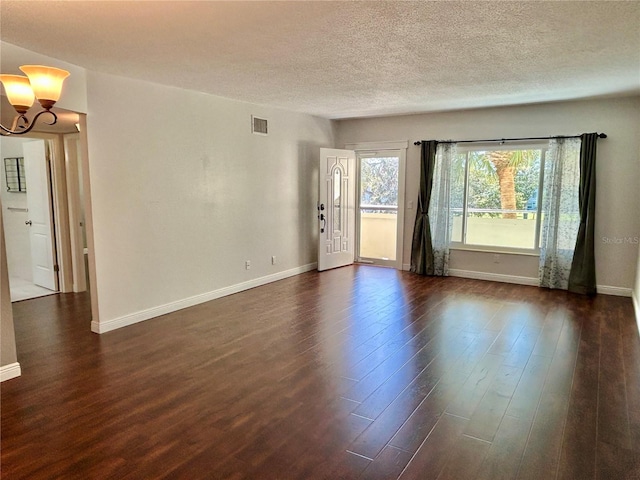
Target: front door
(40, 214)
(336, 208)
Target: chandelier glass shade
(42, 83)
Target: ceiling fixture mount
(41, 82)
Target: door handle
(324, 222)
(28, 222)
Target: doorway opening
(29, 218)
(43, 219)
(380, 207)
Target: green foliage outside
(379, 181)
(484, 186)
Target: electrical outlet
(247, 264)
(410, 205)
(496, 258)
(273, 260)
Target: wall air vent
(259, 126)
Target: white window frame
(543, 146)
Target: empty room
(320, 240)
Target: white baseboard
(115, 323)
(497, 277)
(494, 277)
(617, 291)
(12, 370)
(636, 307)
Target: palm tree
(505, 164)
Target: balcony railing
(379, 208)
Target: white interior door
(336, 208)
(40, 214)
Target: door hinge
(56, 268)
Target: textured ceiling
(347, 59)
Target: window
(495, 197)
(14, 174)
(337, 213)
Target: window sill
(505, 251)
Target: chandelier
(41, 82)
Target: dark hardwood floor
(354, 373)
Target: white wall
(636, 293)
(618, 172)
(183, 193)
(14, 205)
(8, 357)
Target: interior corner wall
(183, 194)
(7, 334)
(618, 172)
(636, 292)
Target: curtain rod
(600, 135)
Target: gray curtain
(421, 247)
(582, 278)
(560, 212)
(440, 212)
